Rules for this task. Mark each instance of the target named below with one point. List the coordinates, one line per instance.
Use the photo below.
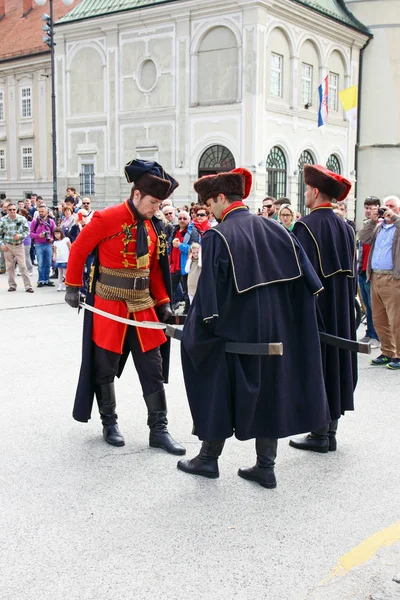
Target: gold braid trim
(127, 273)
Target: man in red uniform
(130, 279)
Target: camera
(46, 236)
(381, 212)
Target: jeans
(44, 254)
(365, 289)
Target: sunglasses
(85, 203)
(183, 219)
(201, 214)
(268, 206)
(171, 213)
(12, 209)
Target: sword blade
(131, 322)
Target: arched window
(276, 173)
(218, 60)
(333, 164)
(305, 158)
(216, 159)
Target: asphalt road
(81, 520)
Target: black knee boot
(332, 435)
(317, 441)
(105, 395)
(206, 462)
(263, 470)
(157, 421)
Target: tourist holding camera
(42, 230)
(382, 232)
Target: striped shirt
(10, 227)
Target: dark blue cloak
(256, 285)
(329, 243)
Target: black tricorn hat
(150, 178)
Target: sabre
(267, 349)
(259, 349)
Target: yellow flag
(348, 98)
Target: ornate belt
(130, 286)
(136, 283)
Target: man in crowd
(268, 208)
(169, 213)
(130, 280)
(3, 213)
(249, 264)
(87, 205)
(280, 202)
(383, 270)
(183, 236)
(72, 193)
(33, 207)
(42, 230)
(342, 208)
(329, 243)
(13, 230)
(371, 336)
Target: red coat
(101, 231)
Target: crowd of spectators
(31, 235)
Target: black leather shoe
(112, 435)
(312, 442)
(197, 466)
(162, 439)
(265, 477)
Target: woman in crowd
(79, 223)
(67, 221)
(200, 219)
(27, 241)
(287, 216)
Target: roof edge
(114, 12)
(358, 26)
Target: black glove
(164, 312)
(72, 296)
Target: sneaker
(63, 289)
(59, 289)
(394, 364)
(49, 283)
(374, 343)
(30, 273)
(40, 284)
(365, 340)
(381, 360)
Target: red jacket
(105, 230)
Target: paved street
(84, 521)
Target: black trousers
(176, 279)
(148, 365)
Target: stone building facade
(202, 88)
